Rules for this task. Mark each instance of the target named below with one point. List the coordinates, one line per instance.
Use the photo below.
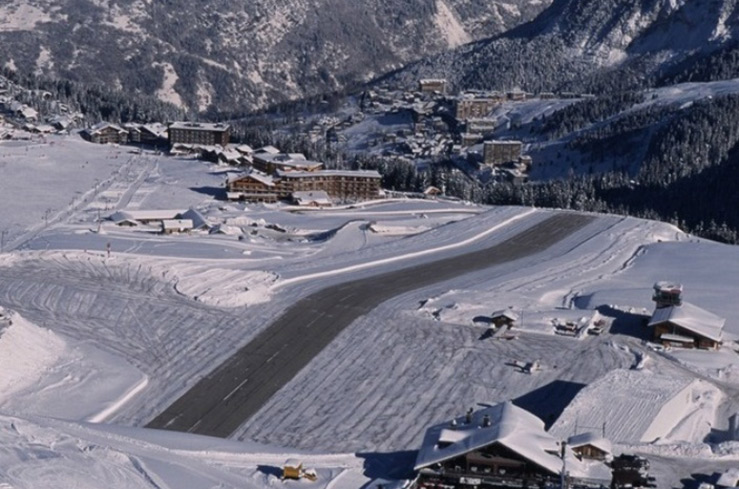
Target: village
(424, 126)
(596, 441)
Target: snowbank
(634, 406)
(46, 374)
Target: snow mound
(27, 352)
(48, 375)
(637, 406)
(225, 288)
(390, 230)
(41, 453)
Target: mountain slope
(244, 54)
(592, 45)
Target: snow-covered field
(115, 337)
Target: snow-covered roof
(510, 426)
(293, 160)
(157, 129)
(515, 428)
(254, 175)
(28, 112)
(592, 439)
(501, 142)
(311, 197)
(230, 155)
(144, 215)
(508, 313)
(665, 286)
(268, 149)
(293, 462)
(97, 128)
(176, 224)
(200, 126)
(198, 220)
(329, 173)
(692, 318)
(226, 229)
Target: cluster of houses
(269, 175)
(19, 109)
(157, 134)
(432, 124)
(165, 221)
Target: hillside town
(423, 126)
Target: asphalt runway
(227, 397)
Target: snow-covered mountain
(243, 54)
(596, 45)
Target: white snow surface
(44, 374)
(115, 337)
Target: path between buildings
(227, 397)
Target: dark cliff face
(242, 54)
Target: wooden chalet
(432, 192)
(504, 318)
(591, 446)
(500, 446)
(687, 326)
(153, 134)
(253, 186)
(105, 133)
(171, 226)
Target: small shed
(432, 192)
(591, 446)
(504, 317)
(688, 326)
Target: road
(223, 400)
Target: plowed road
(223, 400)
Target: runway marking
(236, 389)
(194, 427)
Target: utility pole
(563, 475)
(2, 240)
